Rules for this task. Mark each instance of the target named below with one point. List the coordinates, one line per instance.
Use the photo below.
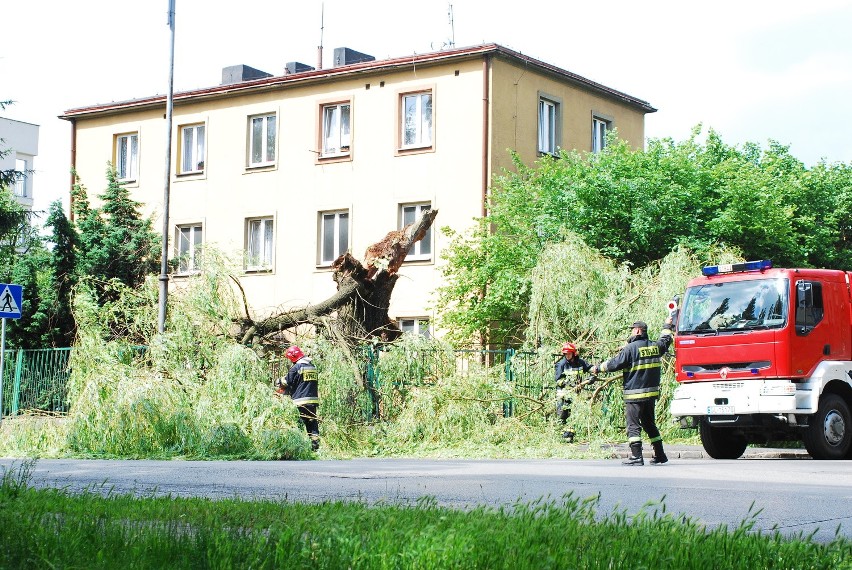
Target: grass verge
(54, 529)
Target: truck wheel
(829, 434)
(721, 443)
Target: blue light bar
(759, 265)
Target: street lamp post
(164, 258)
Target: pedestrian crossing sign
(11, 298)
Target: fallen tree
(358, 311)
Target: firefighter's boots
(659, 455)
(635, 455)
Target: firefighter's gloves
(281, 386)
(588, 382)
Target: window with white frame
(260, 240)
(336, 129)
(600, 127)
(21, 175)
(191, 149)
(127, 156)
(408, 214)
(548, 125)
(263, 132)
(416, 120)
(334, 235)
(188, 246)
(416, 325)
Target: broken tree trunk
(363, 292)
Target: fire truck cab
(765, 354)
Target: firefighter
(301, 385)
(640, 363)
(567, 375)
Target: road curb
(697, 452)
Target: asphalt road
(791, 492)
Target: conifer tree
(62, 278)
(115, 241)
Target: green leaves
(637, 206)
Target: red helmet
(569, 348)
(294, 353)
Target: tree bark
(363, 292)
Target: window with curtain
(262, 140)
(336, 129)
(259, 244)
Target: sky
(752, 70)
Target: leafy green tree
(636, 206)
(23, 261)
(31, 272)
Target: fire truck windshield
(735, 306)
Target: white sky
(753, 70)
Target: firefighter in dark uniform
(301, 385)
(640, 363)
(567, 377)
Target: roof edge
(362, 67)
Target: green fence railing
(529, 373)
(35, 380)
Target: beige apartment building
(287, 172)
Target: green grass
(56, 529)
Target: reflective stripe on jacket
(571, 369)
(301, 382)
(640, 363)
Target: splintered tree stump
(363, 295)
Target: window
(334, 235)
(127, 156)
(188, 241)
(600, 127)
(191, 149)
(809, 306)
(21, 174)
(409, 213)
(259, 244)
(548, 125)
(262, 140)
(418, 325)
(335, 129)
(417, 120)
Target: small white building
(20, 147)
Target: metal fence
(35, 380)
(529, 374)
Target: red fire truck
(765, 354)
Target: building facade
(20, 144)
(288, 172)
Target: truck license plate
(720, 410)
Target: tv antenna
(322, 28)
(451, 43)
